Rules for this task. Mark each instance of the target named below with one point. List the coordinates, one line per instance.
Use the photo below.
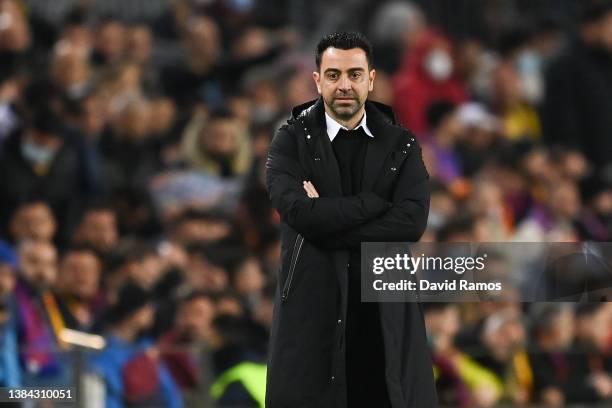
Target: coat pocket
(297, 247)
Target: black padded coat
(306, 359)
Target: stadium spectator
(130, 365)
(218, 145)
(427, 75)
(37, 312)
(133, 138)
(98, 228)
(579, 88)
(10, 372)
(78, 290)
(186, 348)
(33, 220)
(552, 330)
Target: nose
(345, 84)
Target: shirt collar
(334, 127)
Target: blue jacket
(110, 362)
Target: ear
(317, 79)
(372, 76)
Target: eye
(356, 75)
(332, 75)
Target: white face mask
(438, 65)
(529, 67)
(37, 155)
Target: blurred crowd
(133, 139)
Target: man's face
(344, 81)
(196, 316)
(220, 137)
(38, 264)
(99, 229)
(33, 221)
(80, 274)
(110, 40)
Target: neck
(348, 123)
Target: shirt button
(348, 265)
(339, 321)
(333, 378)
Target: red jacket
(415, 90)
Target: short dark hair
(438, 111)
(220, 112)
(594, 10)
(344, 41)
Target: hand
(602, 384)
(553, 397)
(311, 191)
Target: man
(130, 365)
(98, 228)
(218, 146)
(10, 374)
(185, 349)
(578, 99)
(78, 291)
(38, 321)
(342, 172)
(40, 160)
(33, 220)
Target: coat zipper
(297, 247)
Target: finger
(313, 190)
(308, 191)
(308, 187)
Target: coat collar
(381, 122)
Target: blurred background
(133, 136)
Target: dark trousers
(365, 356)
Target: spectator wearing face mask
(427, 75)
(516, 89)
(41, 161)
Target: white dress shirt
(334, 127)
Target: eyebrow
(349, 70)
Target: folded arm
(405, 221)
(312, 217)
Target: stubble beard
(344, 112)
